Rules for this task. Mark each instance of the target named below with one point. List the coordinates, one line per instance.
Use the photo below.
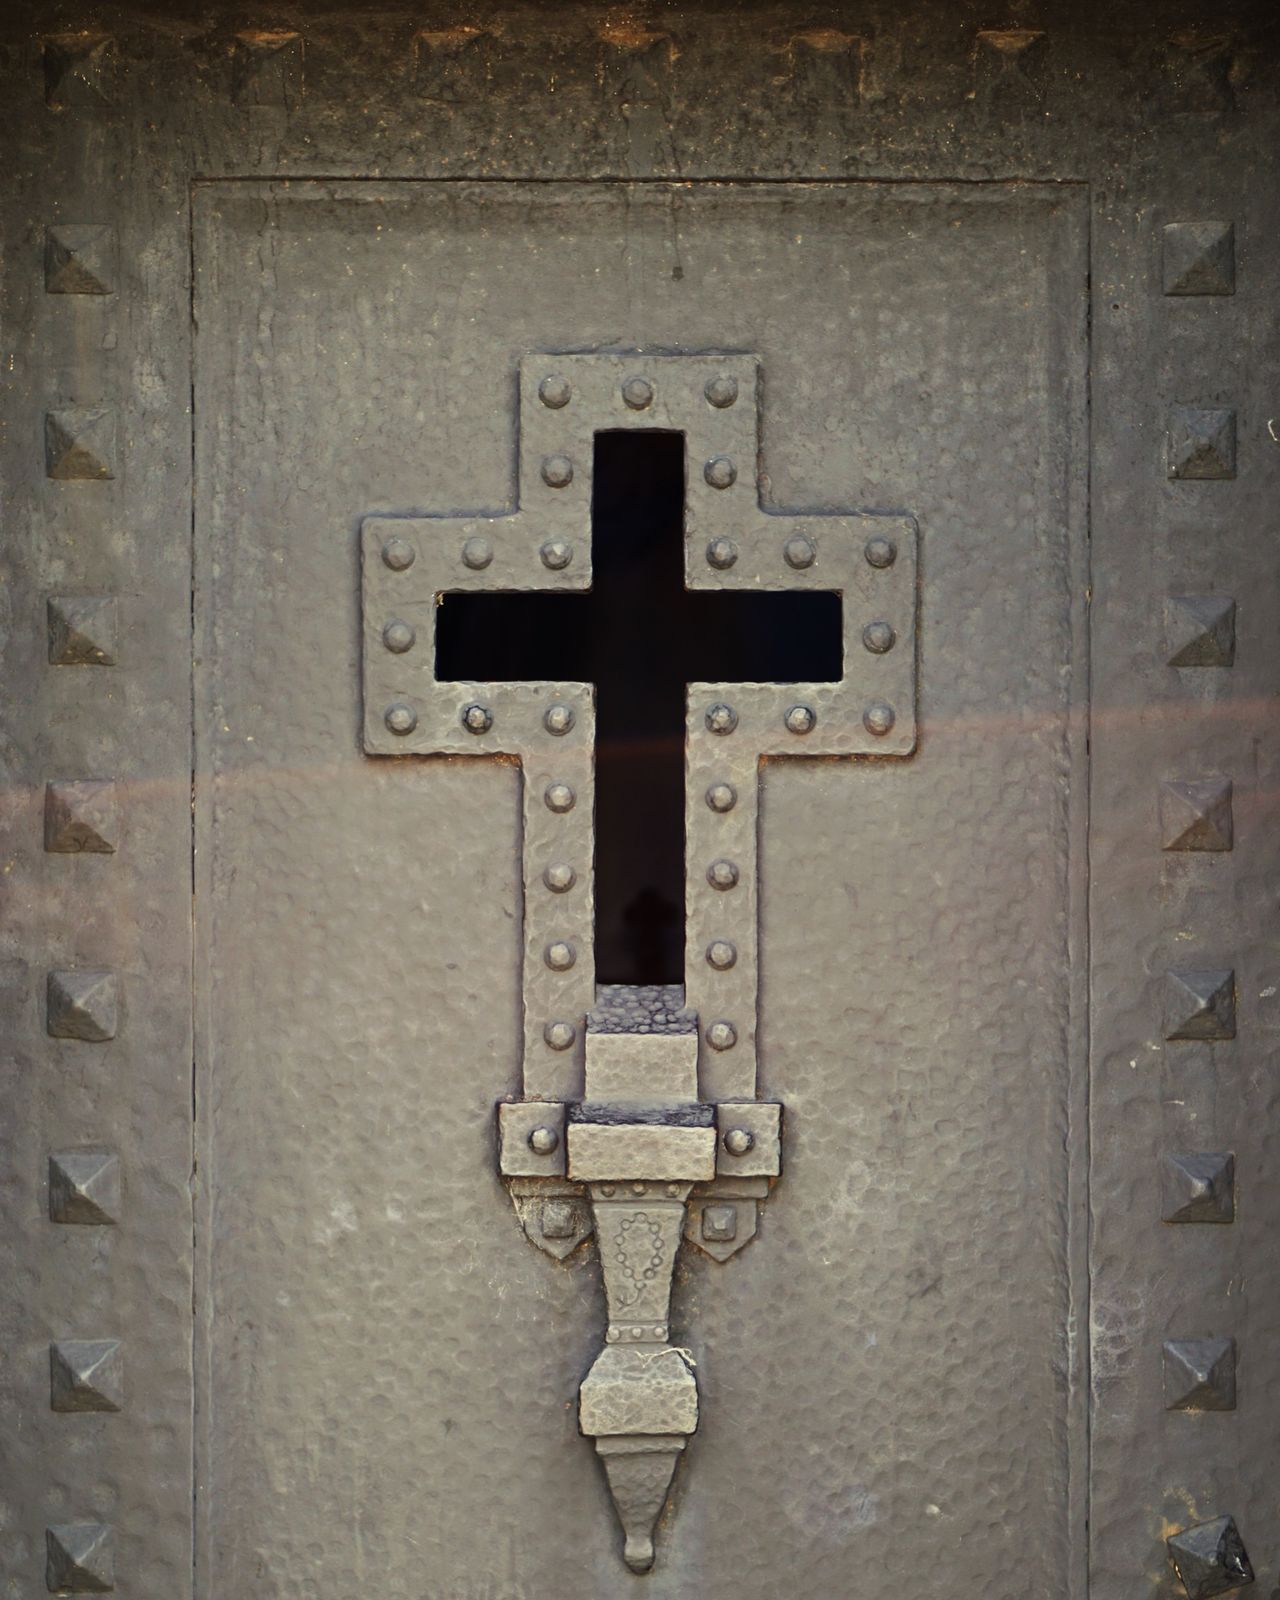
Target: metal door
(313, 323)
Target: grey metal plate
(349, 1088)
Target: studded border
(732, 541)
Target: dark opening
(640, 636)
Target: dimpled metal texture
(396, 886)
(895, 1372)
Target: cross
(640, 636)
(802, 622)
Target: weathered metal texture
(334, 1417)
(411, 950)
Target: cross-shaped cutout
(640, 636)
(803, 622)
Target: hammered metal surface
(395, 977)
(926, 386)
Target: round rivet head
(477, 553)
(721, 554)
(559, 797)
(398, 554)
(400, 718)
(673, 1191)
(608, 1190)
(722, 797)
(542, 1141)
(721, 718)
(880, 552)
(723, 875)
(738, 1141)
(721, 954)
(398, 637)
(878, 718)
(720, 472)
(799, 552)
(800, 719)
(557, 471)
(878, 637)
(721, 391)
(722, 1035)
(637, 1188)
(477, 718)
(560, 1035)
(555, 391)
(638, 393)
(558, 718)
(559, 877)
(556, 554)
(560, 955)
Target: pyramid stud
(76, 69)
(1202, 442)
(83, 1005)
(1196, 816)
(1199, 1374)
(83, 630)
(1200, 1004)
(1198, 1186)
(84, 1187)
(1200, 630)
(86, 1375)
(1199, 258)
(79, 1558)
(80, 443)
(80, 817)
(80, 258)
(266, 67)
(1210, 1558)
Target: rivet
(738, 1141)
(607, 1190)
(558, 718)
(559, 797)
(723, 874)
(722, 1035)
(722, 797)
(880, 552)
(637, 1188)
(559, 877)
(721, 391)
(556, 554)
(560, 1035)
(800, 719)
(638, 393)
(658, 1331)
(721, 554)
(878, 718)
(398, 637)
(557, 471)
(401, 718)
(673, 1191)
(398, 554)
(560, 955)
(799, 552)
(720, 472)
(542, 1141)
(477, 718)
(554, 391)
(612, 1336)
(637, 1333)
(721, 718)
(477, 553)
(878, 637)
(721, 954)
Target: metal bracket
(640, 1120)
